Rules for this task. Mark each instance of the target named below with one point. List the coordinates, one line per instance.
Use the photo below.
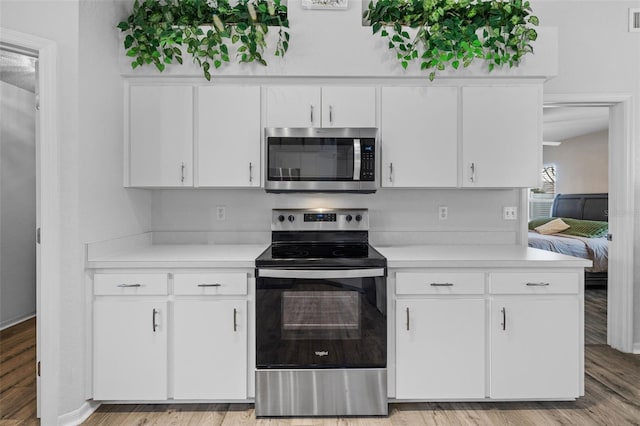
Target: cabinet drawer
(439, 283)
(129, 284)
(234, 283)
(534, 283)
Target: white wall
(582, 163)
(397, 215)
(95, 206)
(17, 204)
(599, 55)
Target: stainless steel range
(321, 323)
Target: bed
(592, 207)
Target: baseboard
(78, 416)
(636, 348)
(14, 321)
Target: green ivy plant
(157, 31)
(455, 32)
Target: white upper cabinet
(293, 106)
(419, 133)
(501, 136)
(160, 136)
(311, 106)
(228, 136)
(348, 107)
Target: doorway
(621, 209)
(18, 223)
(47, 211)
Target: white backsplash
(397, 216)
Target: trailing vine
(455, 32)
(157, 31)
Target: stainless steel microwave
(321, 160)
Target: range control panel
(320, 220)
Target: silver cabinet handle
(129, 285)
(209, 285)
(182, 166)
(235, 319)
(408, 319)
(331, 114)
(540, 284)
(311, 113)
(390, 172)
(473, 172)
(504, 318)
(154, 324)
(250, 172)
(441, 284)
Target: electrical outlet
(221, 212)
(510, 213)
(443, 212)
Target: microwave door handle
(320, 273)
(357, 159)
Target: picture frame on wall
(325, 4)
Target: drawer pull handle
(408, 319)
(129, 285)
(504, 319)
(541, 284)
(441, 284)
(154, 324)
(209, 285)
(235, 319)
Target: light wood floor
(612, 382)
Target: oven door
(321, 318)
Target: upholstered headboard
(581, 206)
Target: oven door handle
(321, 273)
(357, 159)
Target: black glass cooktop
(321, 255)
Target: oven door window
(321, 323)
(310, 159)
(326, 315)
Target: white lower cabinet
(440, 348)
(130, 349)
(170, 336)
(210, 349)
(527, 321)
(535, 347)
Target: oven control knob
(349, 217)
(281, 218)
(291, 218)
(358, 217)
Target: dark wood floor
(18, 374)
(612, 382)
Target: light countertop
(485, 256)
(409, 256)
(181, 256)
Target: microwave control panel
(368, 158)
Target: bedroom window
(541, 199)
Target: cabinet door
(161, 136)
(419, 136)
(501, 136)
(129, 350)
(348, 107)
(293, 106)
(210, 349)
(228, 136)
(440, 348)
(535, 347)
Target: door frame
(622, 171)
(48, 284)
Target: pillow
(537, 221)
(586, 228)
(553, 227)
